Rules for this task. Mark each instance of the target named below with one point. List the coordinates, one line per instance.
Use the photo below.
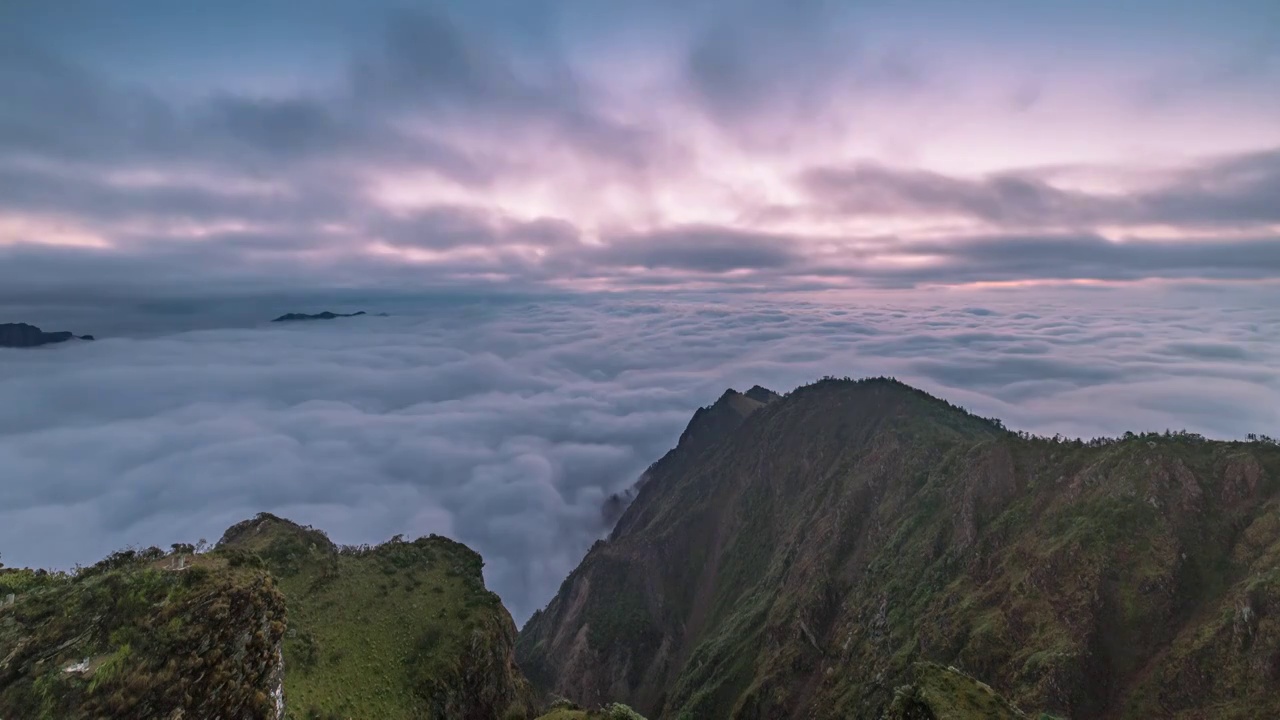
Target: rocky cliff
(804, 565)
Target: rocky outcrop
(804, 562)
(22, 335)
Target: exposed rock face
(801, 564)
(326, 315)
(22, 335)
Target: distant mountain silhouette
(326, 315)
(22, 335)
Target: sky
(585, 220)
(159, 149)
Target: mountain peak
(722, 417)
(707, 426)
(762, 394)
(266, 530)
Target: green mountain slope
(801, 566)
(945, 693)
(568, 711)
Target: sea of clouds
(504, 424)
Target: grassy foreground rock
(134, 636)
(405, 629)
(275, 622)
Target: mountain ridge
(800, 566)
(708, 425)
(326, 315)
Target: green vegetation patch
(624, 618)
(612, 711)
(399, 630)
(134, 636)
(945, 693)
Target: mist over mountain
(507, 425)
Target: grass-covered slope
(802, 566)
(276, 622)
(568, 711)
(132, 637)
(400, 630)
(945, 693)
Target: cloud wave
(505, 423)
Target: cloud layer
(762, 145)
(504, 423)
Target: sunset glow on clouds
(567, 145)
